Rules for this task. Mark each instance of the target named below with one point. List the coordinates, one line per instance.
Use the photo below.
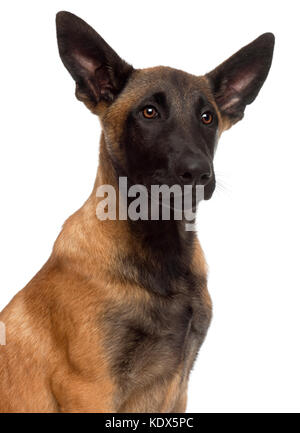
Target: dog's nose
(192, 171)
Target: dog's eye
(207, 118)
(150, 112)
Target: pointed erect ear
(237, 81)
(99, 73)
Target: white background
(249, 230)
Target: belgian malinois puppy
(114, 320)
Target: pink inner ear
(87, 64)
(235, 88)
(88, 69)
(240, 84)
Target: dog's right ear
(100, 74)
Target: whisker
(222, 187)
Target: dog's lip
(209, 189)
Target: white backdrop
(250, 361)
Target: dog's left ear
(237, 81)
(99, 73)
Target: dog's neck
(153, 253)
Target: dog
(114, 320)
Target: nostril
(186, 176)
(205, 177)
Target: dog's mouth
(209, 189)
(198, 192)
(178, 197)
(164, 198)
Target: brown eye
(150, 112)
(207, 118)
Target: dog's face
(161, 125)
(168, 125)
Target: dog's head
(161, 125)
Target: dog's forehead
(174, 83)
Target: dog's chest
(157, 340)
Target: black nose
(191, 171)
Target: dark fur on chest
(154, 338)
(152, 342)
